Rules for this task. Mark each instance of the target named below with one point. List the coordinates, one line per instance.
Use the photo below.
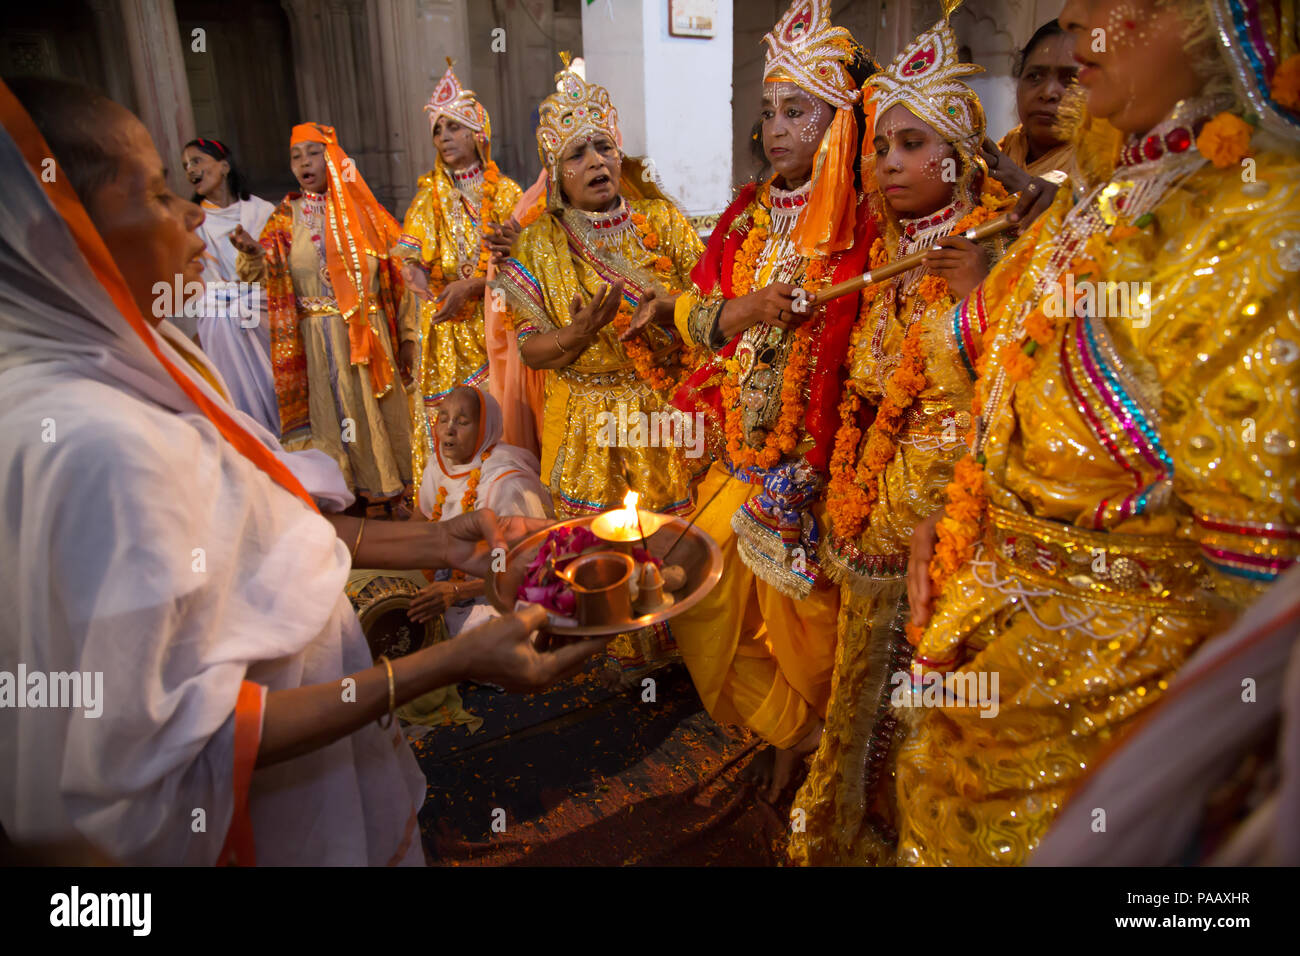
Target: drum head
(389, 631)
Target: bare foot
(787, 761)
(612, 678)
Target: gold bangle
(392, 694)
(357, 543)
(558, 345)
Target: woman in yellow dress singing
(575, 280)
(445, 258)
(904, 412)
(334, 298)
(1132, 478)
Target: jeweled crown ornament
(926, 78)
(453, 101)
(805, 49)
(575, 109)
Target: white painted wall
(673, 94)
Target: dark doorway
(242, 85)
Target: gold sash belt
(317, 304)
(1135, 571)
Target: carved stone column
(412, 40)
(113, 51)
(162, 91)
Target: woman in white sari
(233, 328)
(165, 555)
(471, 468)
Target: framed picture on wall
(692, 18)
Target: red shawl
(834, 324)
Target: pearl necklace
(779, 261)
(469, 182)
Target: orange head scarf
(356, 226)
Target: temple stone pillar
(162, 93)
(113, 52)
(413, 39)
(673, 95)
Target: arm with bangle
(562, 346)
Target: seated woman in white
(471, 468)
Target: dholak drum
(381, 600)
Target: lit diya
(629, 523)
(606, 574)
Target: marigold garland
(854, 490)
(746, 263)
(637, 348)
(960, 528)
(468, 499)
(783, 437)
(642, 356)
(467, 502)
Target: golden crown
(576, 108)
(926, 78)
(805, 49)
(453, 101)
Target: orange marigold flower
(1286, 83)
(638, 219)
(878, 256)
(1040, 327)
(1120, 232)
(1225, 140)
(650, 240)
(664, 264)
(1019, 365)
(932, 288)
(1082, 266)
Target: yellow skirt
(758, 657)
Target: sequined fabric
(1142, 478)
(556, 258)
(847, 796)
(444, 222)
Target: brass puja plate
(696, 553)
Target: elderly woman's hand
(473, 541)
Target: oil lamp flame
(626, 519)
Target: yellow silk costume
(844, 809)
(1140, 479)
(910, 365)
(603, 423)
(443, 229)
(562, 255)
(443, 234)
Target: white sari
(146, 548)
(233, 327)
(509, 484)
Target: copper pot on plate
(600, 582)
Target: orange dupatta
(357, 225)
(32, 144)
